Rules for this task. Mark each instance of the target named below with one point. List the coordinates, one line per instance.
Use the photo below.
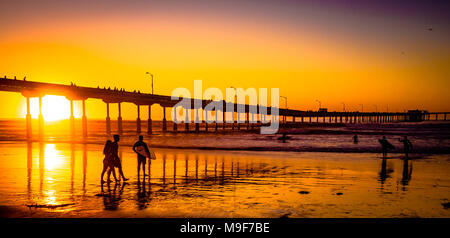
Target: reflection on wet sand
(29, 169)
(231, 184)
(41, 167)
(386, 172)
(407, 173)
(112, 197)
(84, 167)
(175, 169)
(164, 169)
(72, 166)
(143, 197)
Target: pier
(289, 117)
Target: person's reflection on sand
(223, 170)
(72, 167)
(112, 198)
(186, 163)
(206, 167)
(164, 169)
(29, 168)
(384, 172)
(174, 168)
(143, 197)
(41, 167)
(84, 167)
(215, 167)
(196, 167)
(407, 172)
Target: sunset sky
(354, 52)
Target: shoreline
(421, 151)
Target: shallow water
(199, 183)
(430, 137)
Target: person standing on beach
(108, 162)
(407, 145)
(385, 145)
(115, 154)
(141, 148)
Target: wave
(427, 137)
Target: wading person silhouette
(142, 151)
(115, 154)
(385, 145)
(355, 139)
(108, 162)
(407, 145)
(284, 137)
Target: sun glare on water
(54, 108)
(52, 157)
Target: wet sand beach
(63, 180)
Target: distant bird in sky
(430, 29)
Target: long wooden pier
(72, 92)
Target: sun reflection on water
(53, 159)
(50, 197)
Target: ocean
(318, 172)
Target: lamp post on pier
(151, 75)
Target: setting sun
(53, 108)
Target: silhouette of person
(283, 138)
(108, 161)
(355, 139)
(141, 158)
(407, 145)
(385, 145)
(115, 154)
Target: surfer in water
(385, 145)
(407, 145)
(142, 151)
(115, 153)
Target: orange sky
(307, 52)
